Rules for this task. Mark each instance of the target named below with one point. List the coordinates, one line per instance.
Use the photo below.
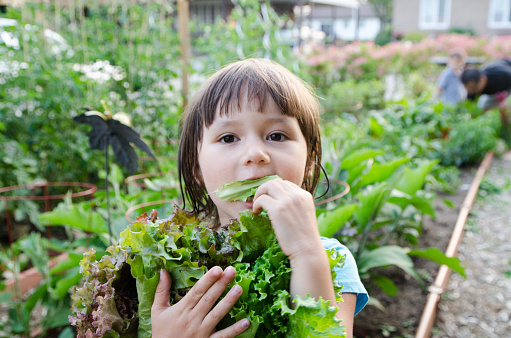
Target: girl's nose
(255, 153)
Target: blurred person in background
(492, 84)
(450, 89)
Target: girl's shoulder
(332, 243)
(347, 274)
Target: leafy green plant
(354, 97)
(470, 140)
(383, 37)
(253, 29)
(128, 276)
(130, 70)
(53, 292)
(385, 209)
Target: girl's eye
(228, 139)
(278, 137)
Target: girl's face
(247, 144)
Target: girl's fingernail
(236, 289)
(245, 323)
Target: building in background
(207, 11)
(346, 20)
(482, 17)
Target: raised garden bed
(402, 314)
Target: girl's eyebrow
(230, 122)
(224, 124)
(283, 119)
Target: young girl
(251, 119)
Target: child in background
(450, 89)
(251, 119)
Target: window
(205, 13)
(434, 14)
(327, 28)
(499, 14)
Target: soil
(467, 304)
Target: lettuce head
(117, 291)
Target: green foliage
(383, 37)
(414, 36)
(330, 222)
(470, 140)
(253, 29)
(52, 294)
(53, 77)
(76, 216)
(438, 256)
(353, 96)
(462, 30)
(390, 190)
(383, 9)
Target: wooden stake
(24, 38)
(438, 287)
(183, 15)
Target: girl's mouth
(249, 203)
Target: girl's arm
(293, 216)
(310, 274)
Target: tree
(383, 9)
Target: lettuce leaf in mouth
(117, 292)
(242, 190)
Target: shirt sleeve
(347, 275)
(442, 79)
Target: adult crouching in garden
(491, 83)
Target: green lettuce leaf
(311, 318)
(242, 190)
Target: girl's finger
(233, 330)
(272, 187)
(161, 297)
(214, 316)
(201, 287)
(211, 297)
(262, 202)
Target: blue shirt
(453, 90)
(347, 276)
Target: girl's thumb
(161, 296)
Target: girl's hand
(293, 216)
(196, 315)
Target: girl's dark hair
(260, 80)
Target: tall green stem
(106, 190)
